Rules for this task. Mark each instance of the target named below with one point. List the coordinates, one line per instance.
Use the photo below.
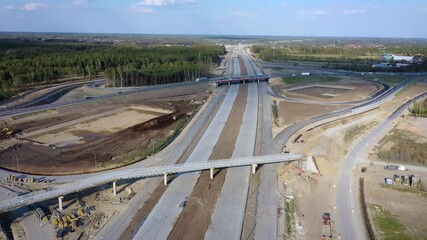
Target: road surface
(348, 214)
(227, 218)
(163, 216)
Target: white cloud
(156, 3)
(33, 6)
(354, 11)
(10, 7)
(241, 14)
(284, 5)
(147, 6)
(79, 2)
(142, 9)
(312, 13)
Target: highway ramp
(348, 215)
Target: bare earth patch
(102, 126)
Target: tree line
(357, 59)
(27, 64)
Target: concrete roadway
(164, 215)
(46, 98)
(266, 204)
(30, 109)
(265, 222)
(348, 215)
(227, 218)
(115, 227)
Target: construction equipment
(326, 226)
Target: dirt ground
(326, 143)
(340, 91)
(195, 217)
(320, 91)
(415, 125)
(110, 150)
(409, 208)
(243, 70)
(145, 207)
(291, 112)
(94, 129)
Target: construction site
(198, 122)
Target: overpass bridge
(61, 190)
(230, 80)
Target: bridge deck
(76, 186)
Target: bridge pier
(60, 207)
(211, 173)
(165, 179)
(114, 188)
(254, 168)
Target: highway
(349, 219)
(170, 155)
(265, 222)
(163, 216)
(161, 219)
(31, 109)
(53, 94)
(227, 218)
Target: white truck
(305, 74)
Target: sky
(351, 18)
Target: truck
(305, 74)
(326, 226)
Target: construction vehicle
(326, 226)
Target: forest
(27, 64)
(340, 57)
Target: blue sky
(363, 18)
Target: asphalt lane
(348, 214)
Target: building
(403, 58)
(398, 58)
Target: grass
(309, 79)
(25, 115)
(391, 80)
(389, 226)
(156, 147)
(274, 111)
(412, 83)
(406, 148)
(420, 193)
(356, 131)
(353, 133)
(290, 216)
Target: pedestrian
(303, 215)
